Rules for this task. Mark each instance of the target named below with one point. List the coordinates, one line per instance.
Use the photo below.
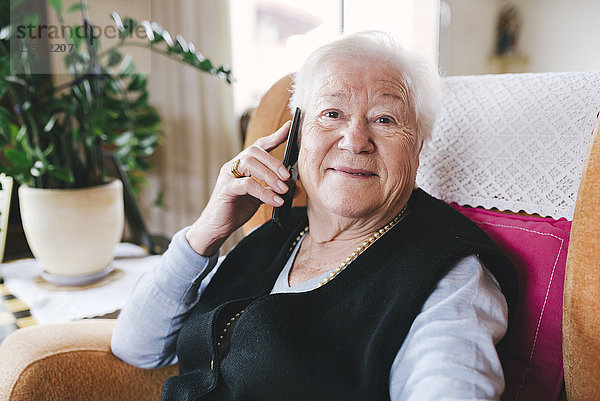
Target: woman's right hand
(235, 200)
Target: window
(271, 38)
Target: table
(26, 299)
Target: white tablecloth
(50, 305)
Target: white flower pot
(73, 232)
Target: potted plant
(52, 137)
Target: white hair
(419, 76)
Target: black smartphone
(281, 214)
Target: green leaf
(5, 117)
(127, 66)
(34, 171)
(46, 153)
(129, 25)
(21, 82)
(5, 33)
(180, 46)
(77, 92)
(189, 57)
(159, 201)
(147, 119)
(138, 82)
(123, 152)
(157, 28)
(56, 5)
(2, 88)
(118, 22)
(40, 165)
(62, 173)
(21, 175)
(41, 162)
(147, 151)
(206, 65)
(116, 85)
(149, 142)
(143, 164)
(114, 57)
(75, 7)
(20, 135)
(77, 39)
(158, 32)
(50, 124)
(148, 29)
(31, 19)
(168, 39)
(26, 106)
(17, 158)
(14, 131)
(142, 100)
(88, 91)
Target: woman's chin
(352, 208)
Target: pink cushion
(537, 247)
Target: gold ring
(234, 169)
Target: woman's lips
(353, 172)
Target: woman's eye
(384, 120)
(332, 114)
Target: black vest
(336, 342)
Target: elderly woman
(377, 290)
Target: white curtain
(199, 127)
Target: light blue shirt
(448, 354)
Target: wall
(562, 35)
(468, 39)
(556, 35)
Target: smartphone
(281, 214)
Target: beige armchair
(73, 360)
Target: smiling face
(359, 149)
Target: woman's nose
(356, 138)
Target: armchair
(73, 360)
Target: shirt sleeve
(450, 350)
(146, 331)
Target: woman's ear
(420, 148)
(417, 156)
(417, 163)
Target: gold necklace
(228, 325)
(360, 249)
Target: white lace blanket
(513, 141)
